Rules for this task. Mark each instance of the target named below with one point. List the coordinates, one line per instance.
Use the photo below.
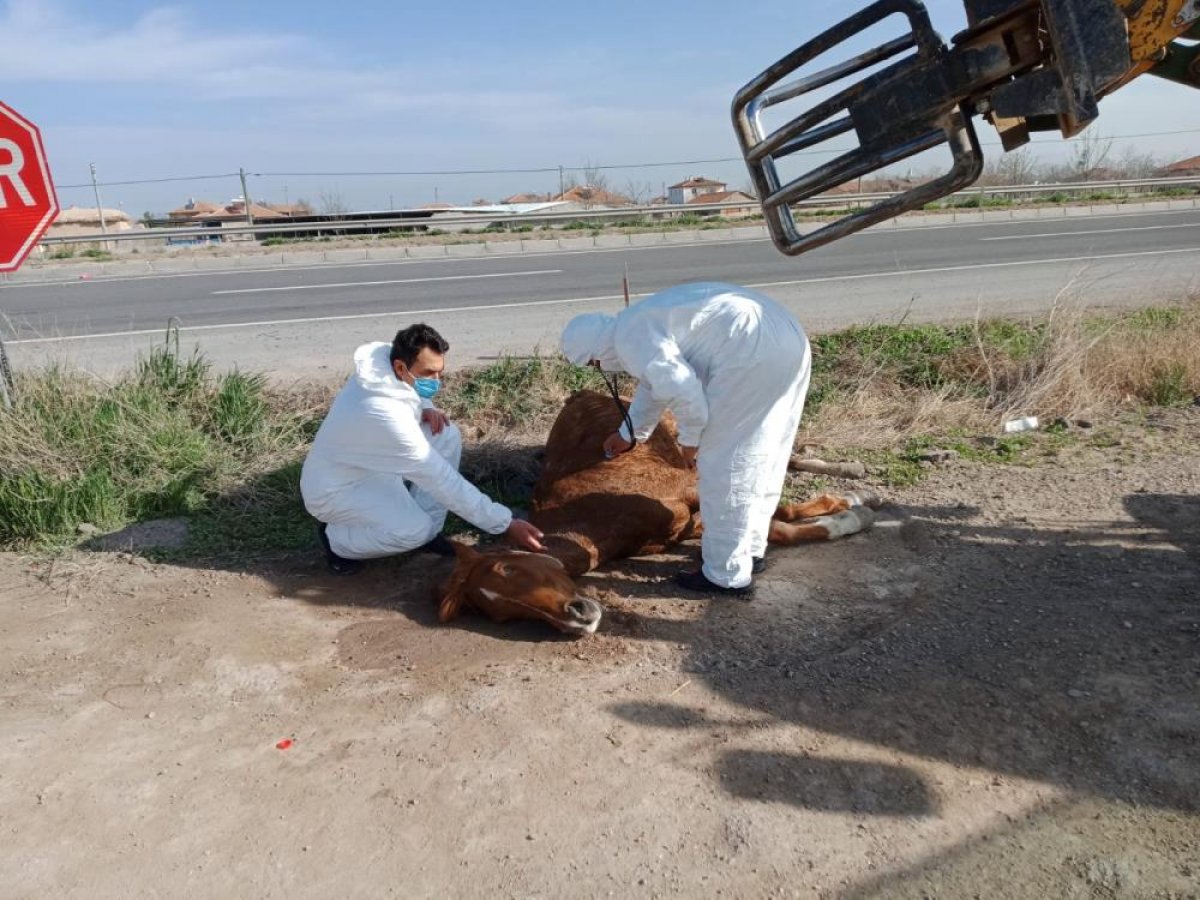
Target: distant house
(201, 212)
(526, 198)
(693, 187)
(591, 197)
(749, 209)
(1184, 168)
(193, 210)
(77, 220)
(291, 210)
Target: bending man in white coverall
(383, 468)
(733, 366)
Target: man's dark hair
(409, 343)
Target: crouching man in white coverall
(733, 366)
(383, 468)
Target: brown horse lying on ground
(594, 510)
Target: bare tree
(1017, 167)
(594, 176)
(1133, 163)
(1089, 152)
(332, 203)
(638, 192)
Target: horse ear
(451, 603)
(454, 592)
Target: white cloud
(285, 102)
(44, 44)
(300, 81)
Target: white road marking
(877, 231)
(309, 321)
(975, 266)
(569, 300)
(351, 284)
(1087, 231)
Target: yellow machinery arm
(1024, 65)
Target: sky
(301, 93)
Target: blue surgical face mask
(426, 387)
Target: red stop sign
(27, 201)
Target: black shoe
(338, 565)
(759, 565)
(438, 546)
(698, 581)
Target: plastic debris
(284, 744)
(1026, 423)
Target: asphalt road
(303, 321)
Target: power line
(149, 180)
(408, 174)
(551, 169)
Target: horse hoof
(868, 499)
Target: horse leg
(824, 505)
(823, 519)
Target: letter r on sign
(12, 171)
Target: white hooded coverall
(371, 444)
(733, 366)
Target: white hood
(374, 374)
(591, 336)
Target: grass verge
(172, 438)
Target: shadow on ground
(1063, 655)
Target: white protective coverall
(733, 366)
(370, 444)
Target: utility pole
(99, 208)
(5, 379)
(561, 185)
(246, 198)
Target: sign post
(27, 201)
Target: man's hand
(525, 536)
(615, 445)
(435, 419)
(689, 456)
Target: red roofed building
(527, 198)
(1183, 168)
(693, 187)
(749, 209)
(590, 196)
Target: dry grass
(171, 438)
(879, 387)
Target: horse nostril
(580, 609)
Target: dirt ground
(994, 693)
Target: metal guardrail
(438, 219)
